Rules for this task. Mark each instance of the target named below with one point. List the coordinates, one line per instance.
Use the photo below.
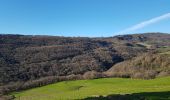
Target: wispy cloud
(145, 23)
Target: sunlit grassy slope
(165, 50)
(70, 90)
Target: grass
(144, 44)
(135, 96)
(69, 90)
(164, 50)
(167, 53)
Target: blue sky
(92, 18)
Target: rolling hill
(31, 61)
(109, 88)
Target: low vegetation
(146, 66)
(86, 89)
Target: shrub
(163, 74)
(138, 75)
(92, 75)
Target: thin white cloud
(145, 23)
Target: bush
(92, 75)
(163, 74)
(138, 75)
(150, 74)
(7, 97)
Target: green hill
(82, 89)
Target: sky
(92, 18)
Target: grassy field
(144, 44)
(69, 90)
(165, 50)
(167, 53)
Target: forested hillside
(34, 58)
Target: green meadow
(80, 89)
